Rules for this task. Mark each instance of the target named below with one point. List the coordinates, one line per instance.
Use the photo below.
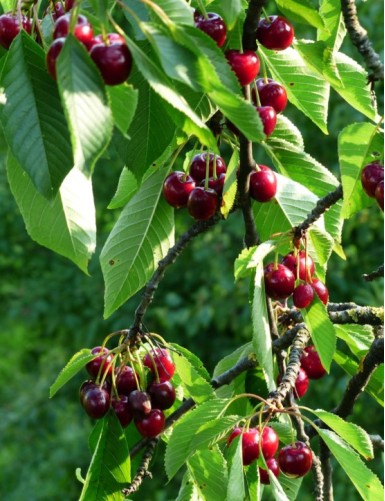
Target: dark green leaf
(123, 101)
(126, 189)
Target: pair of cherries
(372, 180)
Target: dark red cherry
(125, 381)
(311, 363)
(263, 184)
(275, 33)
(321, 290)
(303, 295)
(244, 64)
(10, 27)
(290, 261)
(295, 460)
(82, 31)
(268, 117)
(177, 188)
(202, 204)
(273, 466)
(152, 424)
(95, 401)
(52, 55)
(198, 166)
(213, 26)
(58, 10)
(269, 442)
(371, 175)
(140, 403)
(250, 444)
(216, 184)
(163, 362)
(113, 59)
(103, 360)
(279, 281)
(69, 4)
(270, 93)
(122, 410)
(379, 195)
(301, 384)
(162, 394)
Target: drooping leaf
(229, 360)
(334, 31)
(85, 104)
(196, 363)
(286, 132)
(230, 186)
(236, 483)
(74, 365)
(178, 447)
(110, 470)
(123, 101)
(126, 189)
(305, 88)
(197, 386)
(188, 490)
(32, 117)
(277, 489)
(357, 145)
(213, 431)
(140, 238)
(253, 484)
(364, 480)
(357, 337)
(301, 11)
(208, 469)
(67, 224)
(242, 266)
(353, 434)
(290, 486)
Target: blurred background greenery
(49, 310)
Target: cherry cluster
(372, 180)
(119, 389)
(10, 26)
(293, 460)
(280, 280)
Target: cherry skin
(198, 166)
(321, 290)
(279, 282)
(275, 33)
(140, 403)
(269, 118)
(303, 295)
(216, 184)
(58, 10)
(295, 460)
(270, 93)
(10, 27)
(371, 175)
(151, 425)
(113, 60)
(125, 381)
(95, 401)
(52, 55)
(263, 184)
(202, 204)
(162, 394)
(290, 261)
(379, 195)
(244, 64)
(250, 444)
(311, 363)
(163, 362)
(269, 442)
(213, 26)
(301, 384)
(104, 359)
(177, 188)
(273, 466)
(122, 410)
(82, 31)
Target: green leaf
(110, 469)
(188, 490)
(375, 387)
(85, 104)
(354, 435)
(236, 484)
(65, 225)
(74, 365)
(229, 360)
(178, 11)
(322, 243)
(242, 266)
(229, 10)
(254, 487)
(197, 387)
(230, 186)
(290, 486)
(365, 481)
(301, 11)
(208, 469)
(123, 101)
(357, 144)
(358, 337)
(334, 32)
(140, 238)
(196, 363)
(321, 330)
(127, 187)
(178, 447)
(210, 433)
(32, 117)
(285, 132)
(277, 489)
(305, 88)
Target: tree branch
(327, 471)
(377, 441)
(250, 25)
(143, 468)
(361, 315)
(359, 38)
(378, 273)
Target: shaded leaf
(127, 187)
(236, 483)
(208, 469)
(301, 11)
(123, 101)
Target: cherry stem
(256, 93)
(244, 395)
(266, 15)
(207, 170)
(152, 360)
(264, 70)
(202, 9)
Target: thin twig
(142, 471)
(327, 471)
(378, 273)
(377, 441)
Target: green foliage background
(49, 310)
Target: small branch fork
(142, 471)
(360, 40)
(378, 273)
